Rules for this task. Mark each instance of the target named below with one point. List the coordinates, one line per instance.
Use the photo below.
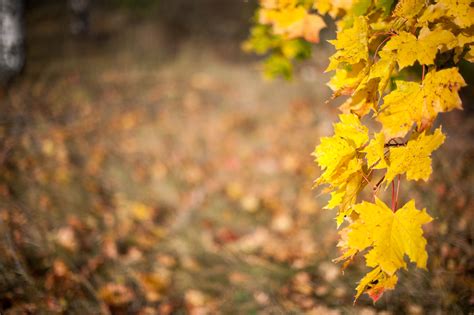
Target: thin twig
(380, 45)
(377, 186)
(386, 145)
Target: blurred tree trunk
(80, 16)
(12, 54)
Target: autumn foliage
(396, 61)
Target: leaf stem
(365, 177)
(380, 45)
(398, 190)
(377, 186)
(393, 196)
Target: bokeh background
(146, 167)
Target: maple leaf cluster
(377, 41)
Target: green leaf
(278, 65)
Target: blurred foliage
(281, 51)
(149, 174)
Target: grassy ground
(148, 169)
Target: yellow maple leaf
(372, 79)
(363, 99)
(414, 159)
(461, 11)
(347, 79)
(439, 93)
(342, 168)
(397, 114)
(408, 9)
(465, 38)
(351, 128)
(323, 7)
(375, 152)
(432, 13)
(293, 22)
(382, 70)
(334, 154)
(312, 25)
(346, 196)
(420, 103)
(422, 49)
(389, 236)
(393, 234)
(437, 38)
(333, 7)
(359, 236)
(269, 4)
(359, 239)
(375, 283)
(351, 45)
(287, 3)
(282, 20)
(278, 4)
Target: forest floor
(149, 172)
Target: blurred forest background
(147, 168)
